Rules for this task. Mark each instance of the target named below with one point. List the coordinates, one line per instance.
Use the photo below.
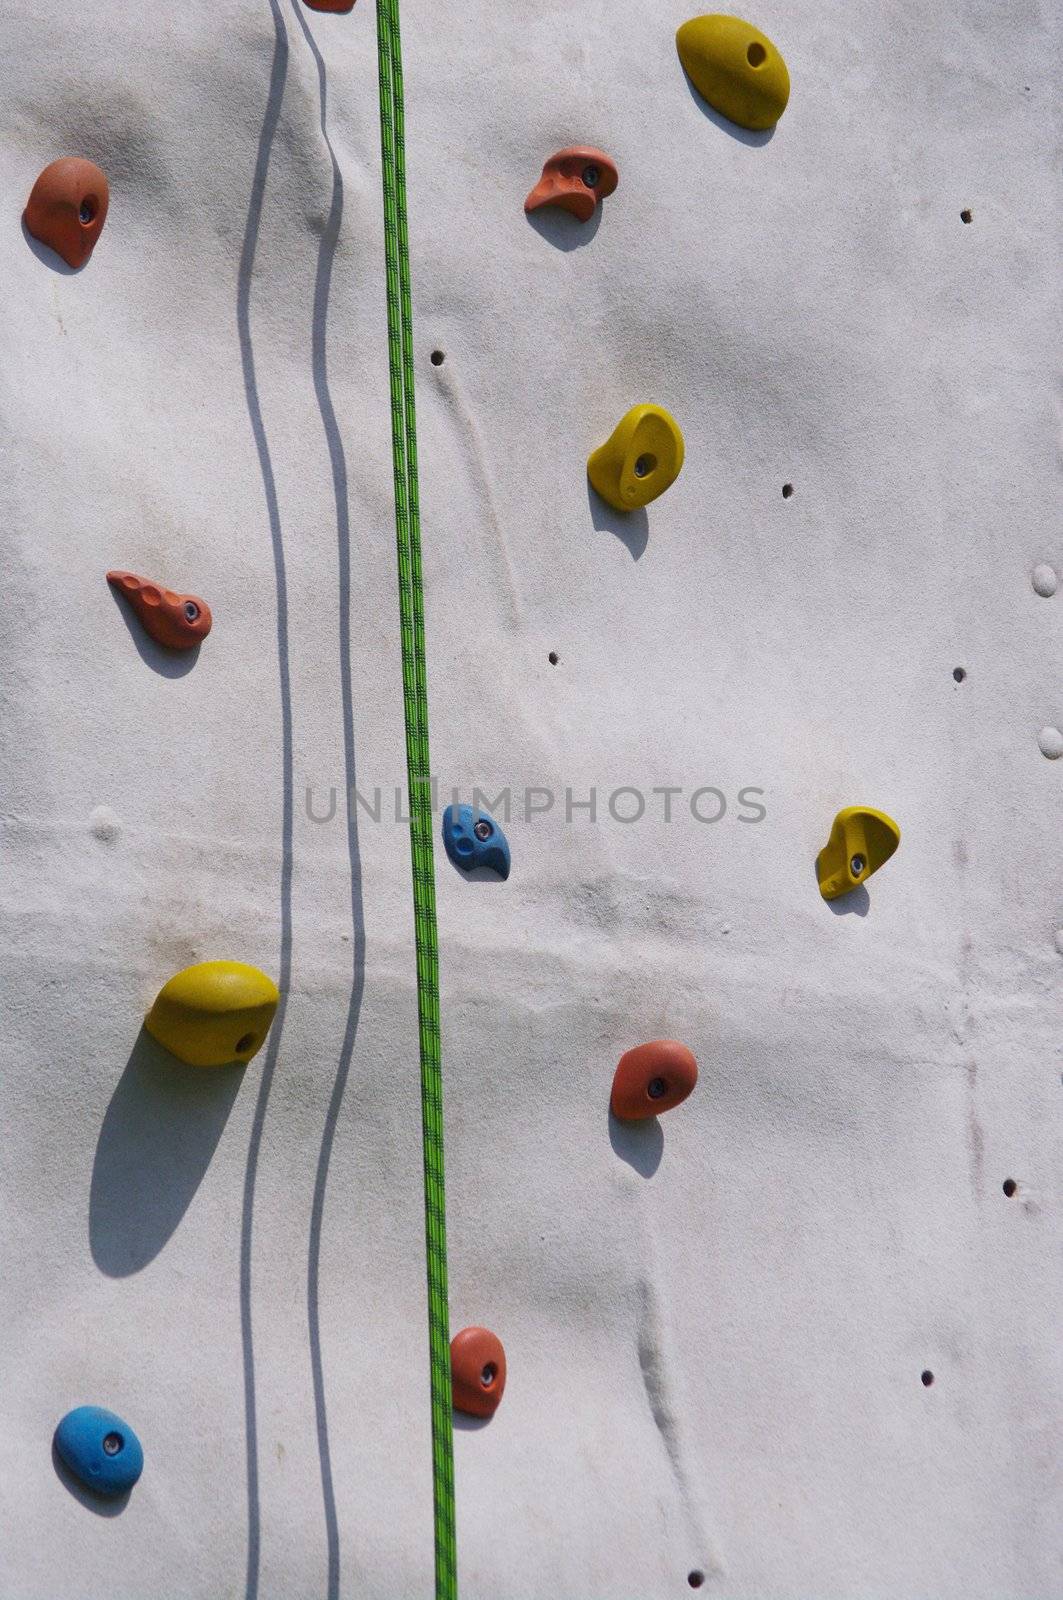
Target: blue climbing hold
(473, 839)
(100, 1449)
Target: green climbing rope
(418, 770)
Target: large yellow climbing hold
(861, 841)
(214, 1013)
(736, 68)
(641, 458)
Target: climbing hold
(478, 1371)
(736, 68)
(861, 841)
(178, 621)
(576, 179)
(652, 1078)
(214, 1013)
(641, 458)
(330, 5)
(67, 208)
(473, 839)
(100, 1450)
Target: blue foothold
(473, 839)
(100, 1450)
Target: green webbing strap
(418, 770)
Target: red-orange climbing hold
(478, 1371)
(67, 208)
(178, 621)
(330, 5)
(652, 1078)
(576, 179)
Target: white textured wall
(715, 1331)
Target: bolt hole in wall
(1009, 1187)
(438, 358)
(959, 673)
(966, 214)
(926, 1378)
(695, 1579)
(787, 490)
(553, 658)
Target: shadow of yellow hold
(214, 1013)
(736, 68)
(861, 841)
(641, 458)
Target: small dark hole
(787, 490)
(695, 1579)
(926, 1378)
(656, 1088)
(644, 466)
(112, 1443)
(965, 215)
(553, 658)
(438, 358)
(756, 54)
(1009, 1186)
(243, 1045)
(959, 673)
(87, 211)
(488, 1375)
(191, 610)
(591, 176)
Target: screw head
(191, 610)
(112, 1443)
(656, 1088)
(482, 829)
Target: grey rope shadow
(278, 74)
(338, 464)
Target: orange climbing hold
(330, 5)
(67, 208)
(576, 178)
(178, 621)
(478, 1371)
(652, 1078)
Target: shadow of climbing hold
(575, 179)
(473, 839)
(214, 1013)
(652, 1078)
(641, 458)
(67, 208)
(178, 621)
(100, 1450)
(478, 1371)
(861, 841)
(736, 68)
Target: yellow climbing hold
(861, 841)
(214, 1013)
(736, 68)
(640, 460)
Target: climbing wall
(793, 1338)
